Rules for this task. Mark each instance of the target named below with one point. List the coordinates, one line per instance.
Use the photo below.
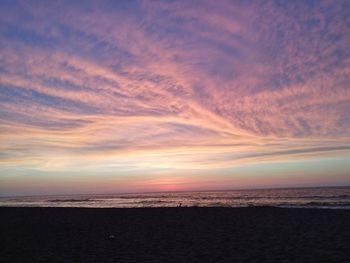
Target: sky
(134, 96)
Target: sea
(325, 197)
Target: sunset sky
(132, 96)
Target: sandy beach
(259, 234)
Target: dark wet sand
(174, 235)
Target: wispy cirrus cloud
(175, 85)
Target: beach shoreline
(184, 234)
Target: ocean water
(332, 197)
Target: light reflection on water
(334, 197)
